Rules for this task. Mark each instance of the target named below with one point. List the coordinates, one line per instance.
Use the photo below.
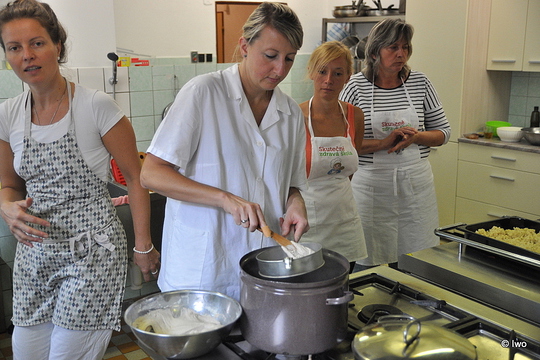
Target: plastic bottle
(535, 117)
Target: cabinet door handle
(502, 158)
(534, 61)
(501, 177)
(495, 215)
(503, 61)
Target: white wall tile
(122, 74)
(92, 78)
(123, 101)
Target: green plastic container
(497, 124)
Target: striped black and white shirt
(431, 116)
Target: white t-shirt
(94, 112)
(210, 133)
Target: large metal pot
(300, 315)
(391, 339)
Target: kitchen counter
(523, 145)
(506, 284)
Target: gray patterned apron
(76, 277)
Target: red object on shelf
(117, 174)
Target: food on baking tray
(522, 237)
(179, 322)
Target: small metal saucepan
(274, 263)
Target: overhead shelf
(355, 19)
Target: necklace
(58, 107)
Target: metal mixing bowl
(532, 135)
(221, 307)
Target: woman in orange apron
(334, 131)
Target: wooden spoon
(279, 239)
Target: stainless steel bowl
(532, 135)
(221, 307)
(348, 12)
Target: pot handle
(347, 297)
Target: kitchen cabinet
(514, 35)
(450, 47)
(444, 166)
(493, 182)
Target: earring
(245, 55)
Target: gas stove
(384, 291)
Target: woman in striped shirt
(393, 186)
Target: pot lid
(391, 339)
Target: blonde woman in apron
(55, 144)
(333, 129)
(394, 187)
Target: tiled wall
(524, 96)
(142, 92)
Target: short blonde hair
(327, 52)
(280, 17)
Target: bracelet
(143, 252)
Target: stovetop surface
(382, 290)
(484, 277)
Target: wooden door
(230, 17)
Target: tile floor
(121, 347)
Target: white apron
(332, 214)
(396, 195)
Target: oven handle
(347, 297)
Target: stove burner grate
(371, 313)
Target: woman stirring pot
(229, 156)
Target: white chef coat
(211, 135)
(332, 214)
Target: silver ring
(244, 221)
(154, 273)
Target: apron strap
(350, 121)
(373, 95)
(349, 132)
(28, 110)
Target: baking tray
(471, 238)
